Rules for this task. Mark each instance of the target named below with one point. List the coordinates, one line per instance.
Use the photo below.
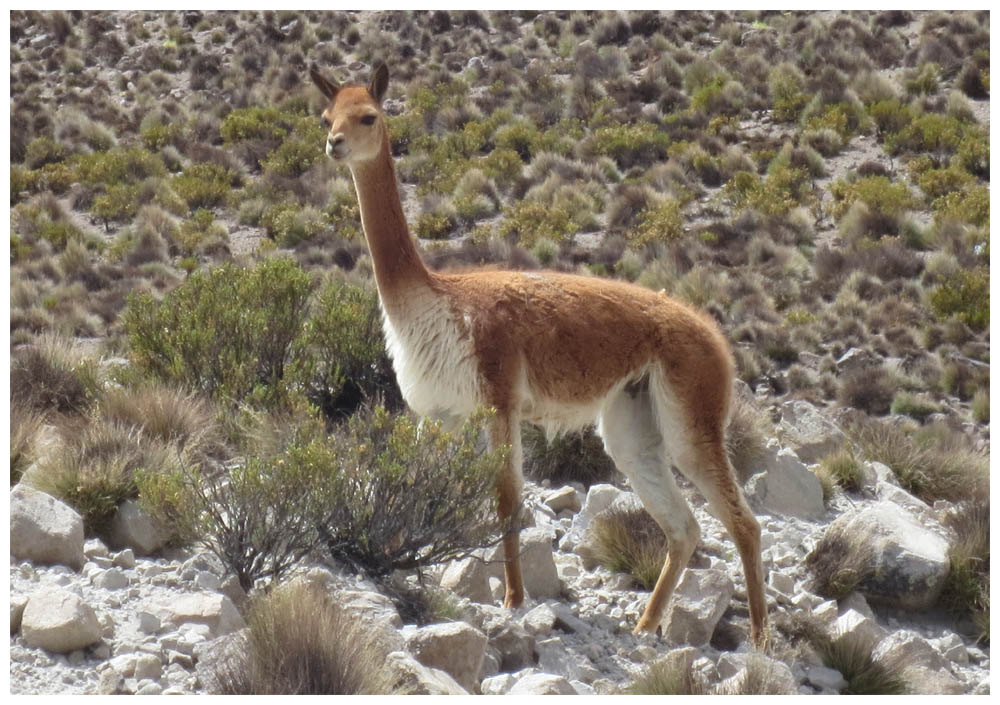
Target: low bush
(969, 206)
(661, 222)
(205, 185)
(876, 192)
(868, 389)
(853, 656)
(528, 221)
(842, 468)
(782, 190)
(49, 376)
(838, 564)
(967, 587)
(569, 457)
(227, 333)
(640, 143)
(916, 407)
(301, 642)
(964, 295)
(630, 541)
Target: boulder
(468, 578)
(59, 621)
(923, 668)
(414, 678)
(697, 605)
(563, 498)
(786, 486)
(539, 620)
(454, 647)
(857, 359)
(599, 498)
(542, 684)
(538, 567)
(44, 530)
(906, 563)
(132, 527)
(809, 432)
(852, 624)
(214, 610)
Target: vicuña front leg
(508, 432)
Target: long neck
(398, 267)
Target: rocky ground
(127, 624)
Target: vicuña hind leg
(506, 431)
(706, 464)
(633, 440)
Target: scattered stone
(148, 623)
(213, 610)
(541, 580)
(786, 487)
(468, 578)
(132, 527)
(147, 666)
(539, 620)
(697, 605)
(59, 621)
(125, 559)
(925, 670)
(454, 647)
(498, 685)
(857, 359)
(542, 684)
(853, 624)
(111, 682)
(826, 678)
(43, 529)
(414, 678)
(809, 432)
(111, 579)
(17, 603)
(563, 498)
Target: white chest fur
(434, 359)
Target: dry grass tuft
(865, 675)
(746, 437)
(300, 642)
(668, 677)
(630, 541)
(838, 563)
(760, 677)
(25, 425)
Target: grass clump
(782, 190)
(25, 426)
(931, 463)
(660, 222)
(630, 541)
(301, 642)
(916, 407)
(839, 563)
(49, 376)
(967, 587)
(877, 192)
(746, 437)
(668, 677)
(570, 457)
(854, 657)
(841, 468)
(227, 332)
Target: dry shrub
(668, 677)
(630, 541)
(300, 642)
(760, 677)
(854, 657)
(25, 425)
(967, 589)
(50, 376)
(868, 389)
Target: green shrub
(786, 85)
(930, 132)
(940, 182)
(965, 295)
(970, 206)
(155, 136)
(205, 185)
(782, 190)
(126, 166)
(877, 192)
(118, 204)
(890, 116)
(529, 221)
(254, 123)
(661, 222)
(403, 498)
(629, 145)
(226, 332)
(923, 81)
(288, 649)
(42, 151)
(295, 157)
(290, 223)
(915, 407)
(842, 468)
(340, 358)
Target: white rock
(43, 529)
(542, 684)
(599, 498)
(111, 579)
(133, 527)
(468, 578)
(696, 606)
(952, 648)
(148, 623)
(781, 582)
(826, 611)
(786, 486)
(414, 678)
(148, 666)
(541, 579)
(853, 624)
(809, 432)
(539, 620)
(17, 603)
(59, 621)
(454, 647)
(924, 669)
(213, 610)
(564, 498)
(125, 558)
(825, 678)
(907, 562)
(498, 685)
(555, 658)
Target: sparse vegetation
(630, 541)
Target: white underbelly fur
(435, 363)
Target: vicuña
(557, 350)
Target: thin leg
(507, 431)
(633, 440)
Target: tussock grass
(967, 589)
(300, 642)
(630, 541)
(51, 376)
(162, 413)
(865, 675)
(668, 677)
(577, 457)
(838, 563)
(760, 677)
(746, 436)
(25, 425)
(841, 468)
(932, 463)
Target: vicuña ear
(327, 88)
(379, 82)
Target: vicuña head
(557, 350)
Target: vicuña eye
(325, 123)
(368, 120)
